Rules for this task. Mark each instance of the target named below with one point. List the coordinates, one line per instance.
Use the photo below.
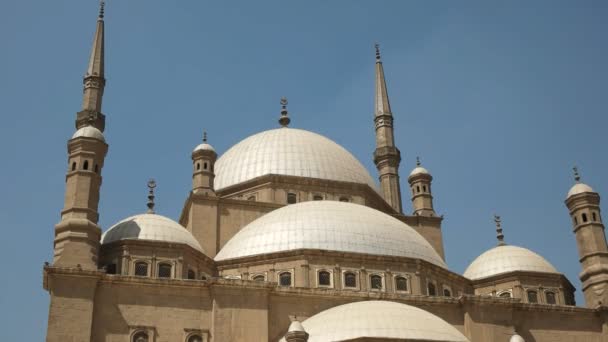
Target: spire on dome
(418, 161)
(577, 176)
(284, 119)
(150, 204)
(383, 106)
(204, 136)
(499, 235)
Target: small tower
(584, 206)
(296, 333)
(77, 235)
(203, 163)
(386, 156)
(420, 183)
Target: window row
(84, 166)
(595, 217)
(206, 166)
(292, 198)
(163, 270)
(416, 189)
(145, 336)
(532, 295)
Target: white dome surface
(292, 152)
(331, 226)
(150, 227)
(419, 170)
(504, 259)
(379, 319)
(89, 132)
(579, 188)
(204, 147)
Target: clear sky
(499, 99)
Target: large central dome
(331, 226)
(291, 152)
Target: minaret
(386, 156)
(420, 183)
(203, 163)
(77, 235)
(584, 206)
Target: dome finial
(499, 235)
(205, 136)
(151, 186)
(577, 176)
(102, 5)
(377, 46)
(418, 161)
(284, 119)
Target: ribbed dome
(89, 132)
(331, 226)
(579, 188)
(204, 147)
(419, 170)
(292, 152)
(504, 259)
(381, 320)
(150, 227)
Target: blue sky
(500, 100)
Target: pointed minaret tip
(150, 204)
(577, 176)
(284, 119)
(499, 235)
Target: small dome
(419, 170)
(290, 152)
(89, 132)
(516, 338)
(504, 259)
(204, 147)
(378, 319)
(579, 188)
(332, 226)
(150, 227)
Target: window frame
(382, 281)
(331, 277)
(555, 296)
(501, 293)
(289, 195)
(447, 288)
(293, 279)
(528, 292)
(357, 286)
(408, 283)
(148, 267)
(255, 275)
(164, 263)
(434, 283)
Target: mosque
(287, 237)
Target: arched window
(203, 276)
(285, 279)
(85, 166)
(424, 188)
(111, 269)
(141, 269)
(195, 338)
(164, 271)
(532, 297)
(594, 216)
(447, 293)
(324, 278)
(350, 279)
(251, 198)
(344, 199)
(198, 166)
(431, 289)
(191, 274)
(73, 166)
(550, 296)
(205, 166)
(317, 198)
(584, 217)
(96, 168)
(259, 277)
(291, 198)
(401, 284)
(140, 336)
(505, 295)
(417, 188)
(375, 282)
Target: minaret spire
(284, 119)
(577, 176)
(386, 156)
(94, 79)
(150, 204)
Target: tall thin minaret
(584, 206)
(386, 156)
(77, 235)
